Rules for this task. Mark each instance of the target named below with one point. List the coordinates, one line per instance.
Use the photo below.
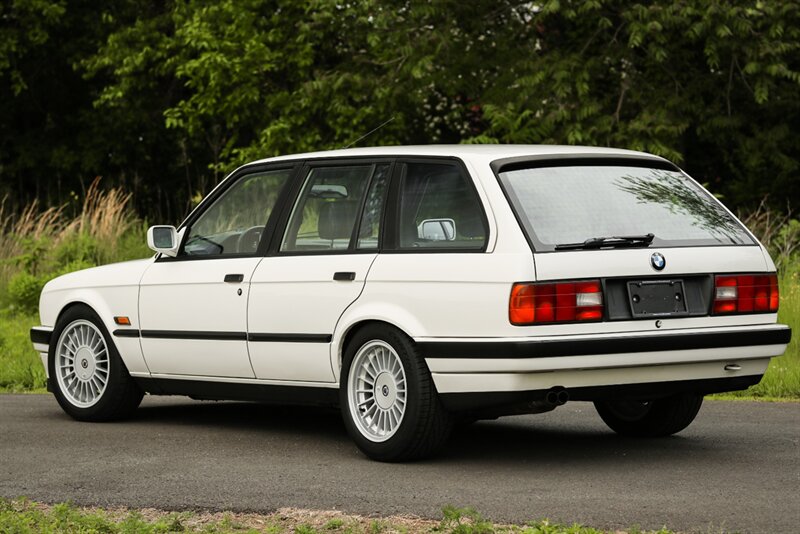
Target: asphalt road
(737, 468)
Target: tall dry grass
(104, 222)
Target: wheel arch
(346, 334)
(128, 348)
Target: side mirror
(164, 239)
(437, 230)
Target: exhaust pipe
(557, 396)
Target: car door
(316, 269)
(193, 308)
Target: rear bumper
(728, 356)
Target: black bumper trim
(609, 345)
(41, 336)
(495, 402)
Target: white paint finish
(575, 378)
(636, 262)
(191, 296)
(308, 362)
(298, 295)
(479, 153)
(110, 290)
(601, 361)
(197, 357)
(62, 290)
(43, 356)
(233, 380)
(131, 347)
(447, 294)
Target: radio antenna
(370, 132)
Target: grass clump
(21, 369)
(21, 516)
(38, 245)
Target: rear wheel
(388, 399)
(87, 375)
(654, 418)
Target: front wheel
(654, 418)
(87, 375)
(388, 400)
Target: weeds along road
(736, 468)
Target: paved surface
(736, 468)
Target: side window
(439, 208)
(369, 231)
(235, 222)
(325, 214)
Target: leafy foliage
(166, 97)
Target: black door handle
(343, 276)
(234, 278)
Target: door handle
(234, 278)
(343, 276)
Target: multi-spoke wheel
(653, 418)
(82, 363)
(388, 399)
(377, 390)
(88, 377)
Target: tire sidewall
(406, 432)
(115, 368)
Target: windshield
(571, 204)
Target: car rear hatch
(655, 242)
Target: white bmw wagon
(416, 287)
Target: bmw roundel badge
(658, 261)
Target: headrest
(336, 219)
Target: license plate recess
(657, 298)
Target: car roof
(471, 152)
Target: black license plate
(657, 298)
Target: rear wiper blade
(614, 241)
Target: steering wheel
(249, 240)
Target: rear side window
(439, 209)
(570, 204)
(325, 215)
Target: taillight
(745, 293)
(559, 302)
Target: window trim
(392, 233)
(221, 189)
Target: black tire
(650, 419)
(121, 395)
(425, 425)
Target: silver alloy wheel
(376, 390)
(82, 363)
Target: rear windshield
(570, 204)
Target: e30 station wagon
(417, 287)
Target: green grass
(21, 516)
(21, 368)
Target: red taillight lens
(745, 293)
(560, 302)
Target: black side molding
(607, 345)
(41, 336)
(290, 338)
(225, 336)
(121, 332)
